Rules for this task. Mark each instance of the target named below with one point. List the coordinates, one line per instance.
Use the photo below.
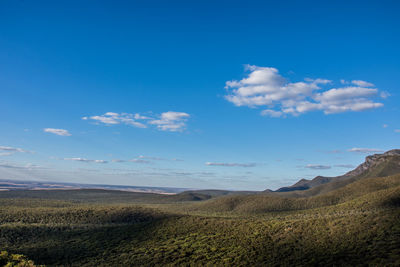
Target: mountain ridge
(378, 165)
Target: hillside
(353, 225)
(377, 165)
(262, 203)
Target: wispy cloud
(171, 121)
(336, 151)
(317, 167)
(362, 83)
(60, 132)
(348, 166)
(397, 131)
(28, 166)
(87, 160)
(140, 161)
(8, 151)
(364, 150)
(150, 158)
(158, 158)
(168, 121)
(265, 87)
(224, 164)
(132, 160)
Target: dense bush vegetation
(357, 224)
(17, 260)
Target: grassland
(356, 224)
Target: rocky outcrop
(372, 161)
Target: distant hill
(12, 185)
(372, 191)
(377, 165)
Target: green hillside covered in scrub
(351, 220)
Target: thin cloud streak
(86, 160)
(364, 150)
(60, 132)
(223, 164)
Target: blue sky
(198, 94)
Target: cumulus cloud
(222, 164)
(60, 132)
(87, 160)
(265, 87)
(364, 150)
(168, 121)
(171, 121)
(317, 167)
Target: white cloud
(264, 86)
(171, 121)
(87, 160)
(112, 118)
(397, 131)
(230, 164)
(167, 121)
(338, 100)
(362, 83)
(60, 132)
(364, 150)
(385, 126)
(317, 167)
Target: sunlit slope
(377, 165)
(260, 203)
